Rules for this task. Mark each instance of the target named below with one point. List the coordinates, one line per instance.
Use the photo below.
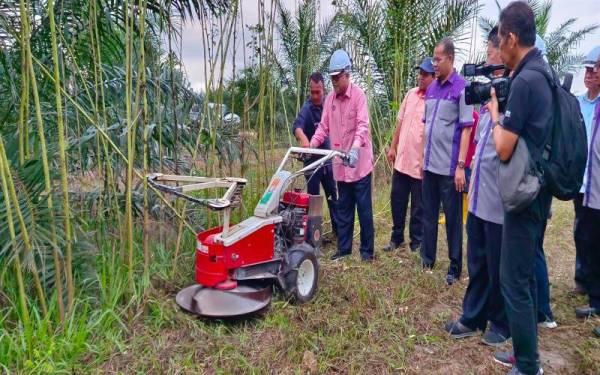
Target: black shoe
(391, 246)
(451, 279)
(414, 247)
(337, 255)
(492, 338)
(457, 330)
(586, 312)
(597, 331)
(367, 257)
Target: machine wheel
(303, 276)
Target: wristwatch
(461, 164)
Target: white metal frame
(196, 183)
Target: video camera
(479, 92)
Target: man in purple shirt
(588, 101)
(448, 121)
(587, 235)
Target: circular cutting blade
(215, 303)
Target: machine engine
(302, 218)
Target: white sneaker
(550, 324)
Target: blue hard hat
(592, 57)
(426, 65)
(540, 44)
(339, 62)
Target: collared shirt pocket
(448, 113)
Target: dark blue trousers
(438, 188)
(404, 186)
(521, 235)
(544, 311)
(587, 239)
(355, 196)
(324, 176)
(483, 300)
(581, 269)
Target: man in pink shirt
(406, 154)
(345, 120)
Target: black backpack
(564, 157)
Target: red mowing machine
(237, 266)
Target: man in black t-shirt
(528, 115)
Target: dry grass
(384, 317)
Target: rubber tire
(295, 259)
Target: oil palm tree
(305, 45)
(561, 42)
(389, 37)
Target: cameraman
(527, 115)
(483, 300)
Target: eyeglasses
(336, 77)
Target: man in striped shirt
(448, 121)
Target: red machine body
(215, 261)
(236, 267)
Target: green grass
(384, 317)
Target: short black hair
(448, 46)
(493, 37)
(518, 18)
(317, 77)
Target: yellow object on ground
(465, 208)
(442, 219)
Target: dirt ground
(379, 318)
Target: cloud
(586, 11)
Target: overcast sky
(586, 12)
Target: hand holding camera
(478, 92)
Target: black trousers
(483, 300)
(404, 186)
(521, 235)
(587, 240)
(355, 195)
(581, 269)
(438, 188)
(324, 176)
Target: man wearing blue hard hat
(345, 120)
(406, 156)
(587, 102)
